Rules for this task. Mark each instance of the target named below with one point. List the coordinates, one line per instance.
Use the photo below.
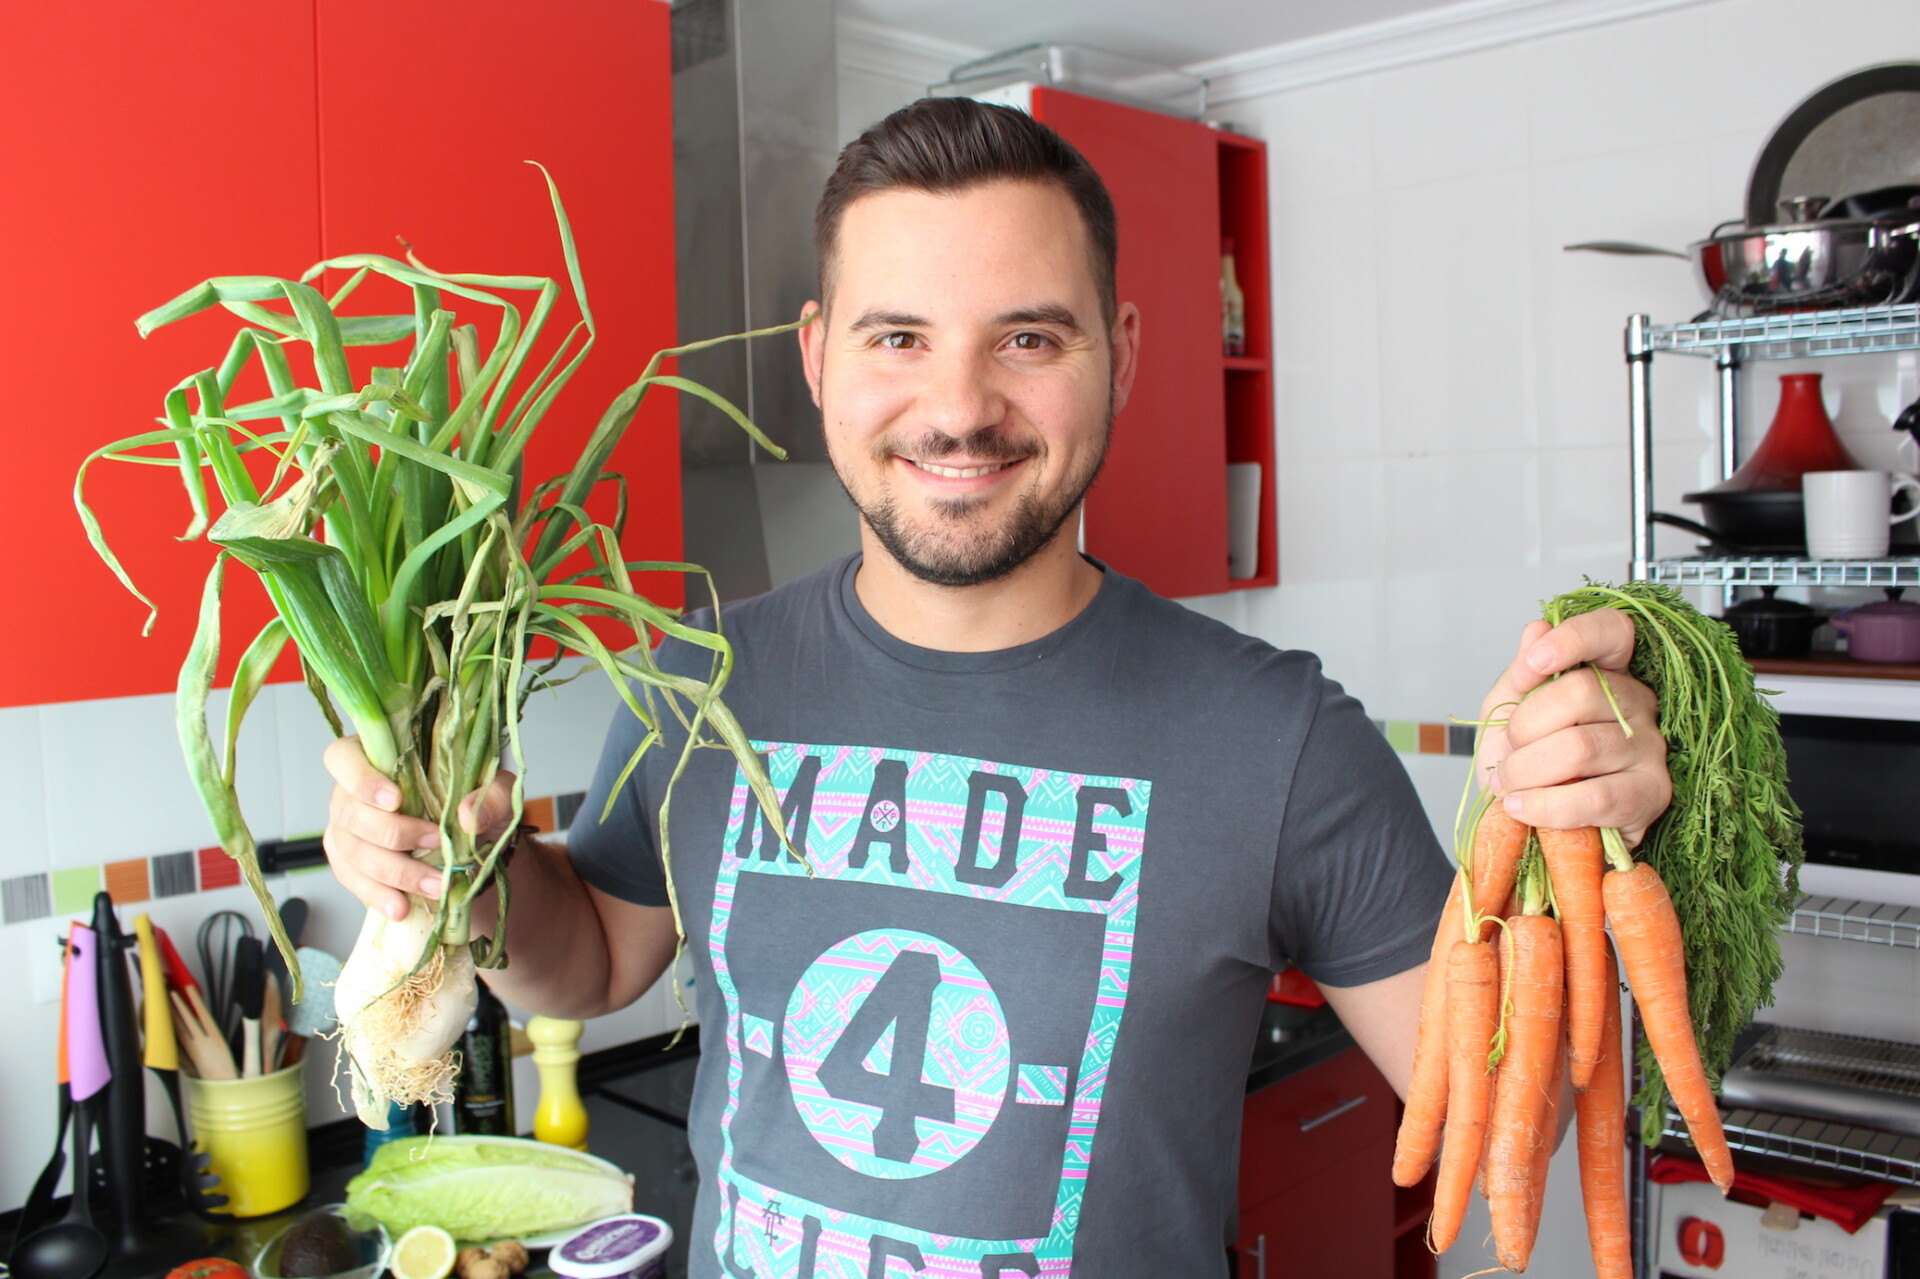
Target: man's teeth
(960, 472)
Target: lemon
(425, 1252)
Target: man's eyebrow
(887, 320)
(1047, 314)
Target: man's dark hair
(947, 145)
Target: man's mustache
(987, 446)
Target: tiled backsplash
(95, 797)
(70, 891)
(138, 879)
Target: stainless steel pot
(1807, 263)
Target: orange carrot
(1511, 911)
(1652, 952)
(1498, 841)
(1426, 1110)
(1536, 990)
(1473, 1014)
(1550, 1130)
(1601, 1115)
(1575, 861)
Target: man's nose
(963, 394)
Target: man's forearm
(560, 962)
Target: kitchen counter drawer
(1311, 1120)
(1334, 1225)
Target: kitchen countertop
(637, 1099)
(1292, 1039)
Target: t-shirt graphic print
(919, 1016)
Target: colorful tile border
(1416, 737)
(138, 879)
(69, 892)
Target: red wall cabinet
(147, 147)
(1159, 511)
(1316, 1190)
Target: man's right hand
(374, 849)
(593, 953)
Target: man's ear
(1125, 342)
(813, 348)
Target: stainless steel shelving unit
(1862, 1152)
(1701, 570)
(1857, 921)
(1804, 1139)
(1729, 344)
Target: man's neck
(1033, 601)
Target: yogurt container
(630, 1246)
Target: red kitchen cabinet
(1316, 1191)
(1331, 1225)
(586, 89)
(1159, 511)
(147, 147)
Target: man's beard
(950, 557)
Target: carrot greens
(1729, 846)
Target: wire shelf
(1698, 570)
(1845, 920)
(1778, 337)
(1852, 1061)
(1841, 1147)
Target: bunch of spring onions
(411, 566)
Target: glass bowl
(374, 1247)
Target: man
(1058, 831)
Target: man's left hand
(1561, 760)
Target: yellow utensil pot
(254, 1132)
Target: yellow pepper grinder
(561, 1119)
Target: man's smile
(958, 472)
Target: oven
(1853, 766)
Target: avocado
(321, 1245)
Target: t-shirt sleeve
(1359, 881)
(620, 854)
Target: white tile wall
(1328, 311)
(23, 793)
(1459, 117)
(1608, 90)
(1455, 362)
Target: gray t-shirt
(1001, 1021)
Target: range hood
(755, 134)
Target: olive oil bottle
(483, 1090)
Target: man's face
(965, 377)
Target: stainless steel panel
(755, 136)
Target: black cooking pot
(1767, 627)
(1748, 521)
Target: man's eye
(1031, 341)
(897, 341)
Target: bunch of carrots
(1522, 994)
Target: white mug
(1850, 513)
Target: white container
(1243, 520)
(630, 1244)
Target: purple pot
(1884, 632)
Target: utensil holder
(254, 1132)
